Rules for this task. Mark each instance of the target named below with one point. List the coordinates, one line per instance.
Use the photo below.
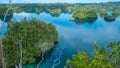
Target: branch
(7, 12)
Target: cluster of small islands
(34, 38)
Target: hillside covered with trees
(27, 39)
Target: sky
(58, 1)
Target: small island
(55, 12)
(84, 14)
(38, 10)
(109, 18)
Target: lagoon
(72, 36)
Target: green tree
(103, 57)
(116, 12)
(103, 12)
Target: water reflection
(55, 15)
(110, 18)
(4, 28)
(75, 36)
(88, 20)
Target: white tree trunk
(20, 44)
(1, 46)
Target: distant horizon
(59, 1)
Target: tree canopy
(103, 57)
(103, 12)
(31, 35)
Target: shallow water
(72, 36)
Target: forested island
(28, 39)
(55, 12)
(84, 14)
(80, 11)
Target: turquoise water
(72, 36)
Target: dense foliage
(65, 7)
(116, 12)
(103, 12)
(31, 35)
(35, 34)
(107, 57)
(85, 12)
(44, 7)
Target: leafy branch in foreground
(103, 57)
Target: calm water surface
(72, 36)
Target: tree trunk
(1, 46)
(20, 44)
(1, 55)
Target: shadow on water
(88, 20)
(55, 15)
(7, 18)
(110, 19)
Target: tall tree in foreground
(1, 45)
